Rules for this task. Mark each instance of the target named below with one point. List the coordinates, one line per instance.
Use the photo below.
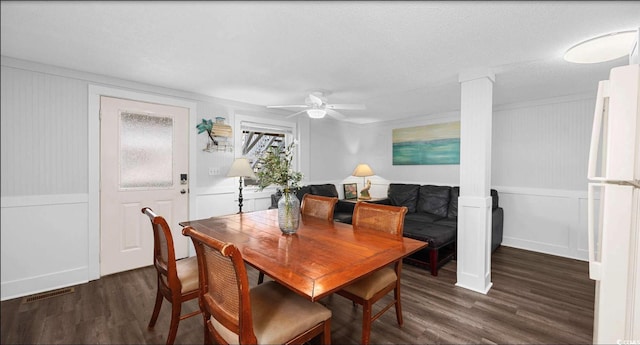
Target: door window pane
(146, 151)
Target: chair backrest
(224, 288)
(318, 206)
(379, 217)
(164, 256)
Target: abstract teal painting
(427, 145)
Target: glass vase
(288, 212)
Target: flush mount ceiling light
(602, 48)
(316, 113)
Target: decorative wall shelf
(219, 133)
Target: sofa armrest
(497, 223)
(275, 197)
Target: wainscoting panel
(44, 243)
(215, 202)
(542, 220)
(546, 221)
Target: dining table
(319, 259)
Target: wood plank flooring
(535, 299)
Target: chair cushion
(188, 273)
(279, 315)
(368, 286)
(401, 194)
(434, 200)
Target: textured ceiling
(401, 59)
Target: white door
(143, 163)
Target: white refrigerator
(614, 208)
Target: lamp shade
(363, 170)
(241, 168)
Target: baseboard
(544, 248)
(45, 282)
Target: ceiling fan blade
(288, 106)
(315, 99)
(347, 106)
(294, 114)
(335, 114)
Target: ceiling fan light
(602, 48)
(316, 113)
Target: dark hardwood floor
(535, 299)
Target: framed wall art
(427, 145)
(350, 191)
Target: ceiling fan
(316, 106)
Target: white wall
(52, 119)
(540, 152)
(543, 144)
(539, 164)
(46, 224)
(539, 160)
(337, 147)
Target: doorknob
(183, 191)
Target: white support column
(474, 203)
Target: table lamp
(363, 170)
(241, 168)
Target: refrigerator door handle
(603, 92)
(595, 265)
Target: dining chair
(316, 206)
(370, 289)
(266, 314)
(177, 279)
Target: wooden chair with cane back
(372, 288)
(177, 280)
(266, 314)
(318, 206)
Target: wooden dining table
(319, 259)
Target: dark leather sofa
(343, 211)
(433, 217)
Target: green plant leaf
(204, 126)
(276, 168)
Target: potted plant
(276, 169)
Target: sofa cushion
(302, 191)
(328, 189)
(434, 200)
(422, 217)
(343, 217)
(452, 222)
(401, 194)
(437, 235)
(452, 212)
